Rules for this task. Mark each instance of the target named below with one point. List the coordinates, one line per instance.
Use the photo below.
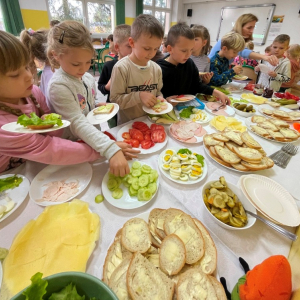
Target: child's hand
(107, 86)
(170, 98)
(128, 151)
(272, 59)
(222, 97)
(237, 69)
(118, 165)
(257, 69)
(148, 99)
(207, 77)
(272, 74)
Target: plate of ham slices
(187, 132)
(59, 184)
(226, 111)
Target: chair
(249, 72)
(108, 58)
(104, 52)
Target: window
(161, 9)
(98, 16)
(1, 21)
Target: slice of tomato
(140, 126)
(158, 136)
(126, 136)
(135, 143)
(157, 127)
(136, 134)
(146, 144)
(147, 137)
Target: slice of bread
(156, 241)
(208, 262)
(213, 152)
(268, 161)
(255, 167)
(145, 282)
(250, 141)
(104, 109)
(172, 255)
(210, 141)
(227, 155)
(267, 112)
(240, 167)
(118, 282)
(136, 235)
(40, 127)
(230, 145)
(276, 136)
(234, 136)
(185, 228)
(279, 123)
(115, 255)
(262, 152)
(218, 287)
(191, 282)
(257, 119)
(281, 114)
(220, 161)
(259, 130)
(220, 137)
(159, 224)
(248, 154)
(268, 125)
(289, 133)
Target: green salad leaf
(224, 91)
(184, 151)
(186, 112)
(232, 101)
(200, 159)
(50, 119)
(67, 293)
(37, 289)
(10, 182)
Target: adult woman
(245, 25)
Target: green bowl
(86, 285)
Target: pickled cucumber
(241, 106)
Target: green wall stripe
(120, 12)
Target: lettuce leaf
(186, 112)
(10, 183)
(37, 289)
(184, 151)
(67, 293)
(54, 119)
(200, 159)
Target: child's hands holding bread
(238, 69)
(148, 99)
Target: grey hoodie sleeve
(65, 104)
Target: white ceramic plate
(127, 201)
(81, 173)
(266, 106)
(271, 198)
(243, 113)
(206, 120)
(17, 194)
(247, 205)
(153, 112)
(264, 69)
(240, 77)
(155, 148)
(234, 87)
(233, 169)
(97, 119)
(17, 128)
(167, 174)
(190, 97)
(229, 110)
(248, 123)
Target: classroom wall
(208, 14)
(34, 14)
(130, 11)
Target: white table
(254, 244)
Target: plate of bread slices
(274, 130)
(102, 113)
(237, 151)
(282, 113)
(162, 254)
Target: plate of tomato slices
(145, 136)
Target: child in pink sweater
(18, 96)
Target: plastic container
(86, 285)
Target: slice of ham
(215, 105)
(186, 131)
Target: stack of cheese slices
(274, 129)
(172, 255)
(237, 150)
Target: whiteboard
(264, 13)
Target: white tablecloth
(254, 244)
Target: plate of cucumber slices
(134, 190)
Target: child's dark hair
(146, 24)
(178, 30)
(110, 38)
(282, 38)
(202, 32)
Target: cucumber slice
(132, 191)
(146, 169)
(136, 172)
(117, 193)
(99, 198)
(152, 187)
(119, 180)
(129, 179)
(112, 184)
(147, 195)
(136, 165)
(140, 194)
(154, 174)
(111, 176)
(151, 177)
(135, 183)
(144, 180)
(126, 184)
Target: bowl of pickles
(226, 205)
(244, 109)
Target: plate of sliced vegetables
(194, 114)
(182, 165)
(133, 190)
(13, 191)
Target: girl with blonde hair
(72, 91)
(245, 26)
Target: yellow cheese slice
(61, 239)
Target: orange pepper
(297, 126)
